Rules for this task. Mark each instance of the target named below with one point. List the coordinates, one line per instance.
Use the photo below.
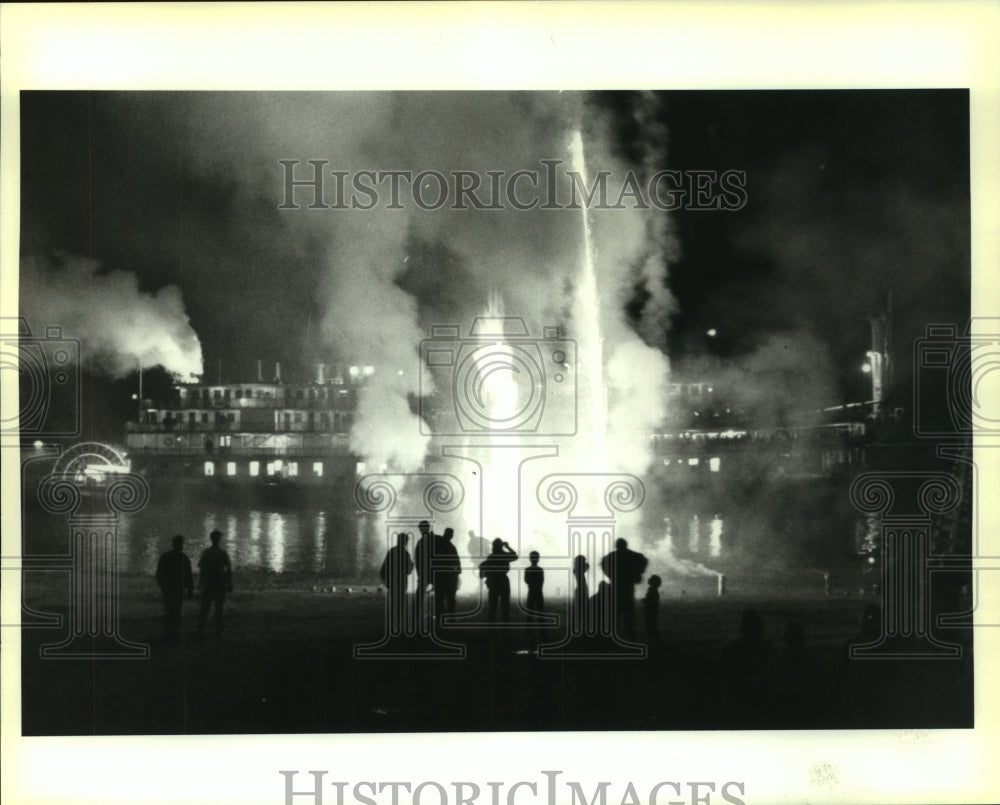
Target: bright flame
(500, 401)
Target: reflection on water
(715, 537)
(276, 543)
(867, 530)
(694, 533)
(317, 542)
(323, 542)
(336, 542)
(359, 542)
(351, 546)
(704, 536)
(253, 545)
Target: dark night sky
(850, 194)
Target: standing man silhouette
(580, 610)
(215, 579)
(651, 608)
(447, 572)
(395, 574)
(625, 568)
(494, 570)
(173, 575)
(423, 552)
(534, 580)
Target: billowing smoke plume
(119, 326)
(786, 380)
(632, 252)
(660, 246)
(390, 274)
(371, 320)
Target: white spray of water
(588, 330)
(390, 274)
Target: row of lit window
(699, 435)
(289, 469)
(298, 417)
(713, 463)
(324, 416)
(152, 417)
(248, 394)
(218, 394)
(692, 389)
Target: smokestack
(260, 371)
(878, 357)
(320, 372)
(277, 371)
(720, 586)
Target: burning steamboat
(270, 436)
(280, 436)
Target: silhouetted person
(395, 572)
(447, 572)
(581, 594)
(173, 575)
(651, 608)
(740, 666)
(534, 580)
(494, 571)
(215, 579)
(602, 610)
(423, 551)
(793, 678)
(625, 568)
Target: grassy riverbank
(286, 663)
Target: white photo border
(717, 45)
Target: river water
(808, 526)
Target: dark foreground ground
(286, 664)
